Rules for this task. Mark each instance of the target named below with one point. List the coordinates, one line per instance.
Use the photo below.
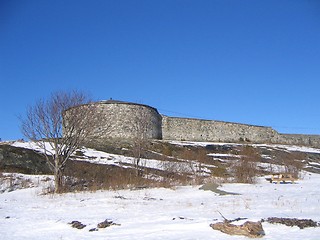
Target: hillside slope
(170, 162)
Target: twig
(230, 221)
(226, 220)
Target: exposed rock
(301, 223)
(249, 229)
(93, 230)
(77, 224)
(106, 223)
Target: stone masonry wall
(300, 139)
(125, 120)
(189, 129)
(115, 120)
(206, 130)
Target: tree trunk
(58, 180)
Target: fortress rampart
(126, 120)
(206, 130)
(299, 139)
(119, 120)
(190, 129)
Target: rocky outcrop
(15, 159)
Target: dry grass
(245, 169)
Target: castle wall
(115, 120)
(300, 139)
(126, 120)
(174, 128)
(189, 129)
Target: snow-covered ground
(158, 213)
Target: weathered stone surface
(190, 129)
(207, 130)
(123, 120)
(249, 229)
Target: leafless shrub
(219, 171)
(175, 167)
(293, 162)
(167, 150)
(245, 169)
(11, 182)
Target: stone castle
(128, 119)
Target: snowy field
(158, 213)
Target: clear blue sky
(249, 61)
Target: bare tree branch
(59, 133)
(142, 125)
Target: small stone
(77, 225)
(106, 223)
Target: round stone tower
(118, 120)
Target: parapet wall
(206, 130)
(189, 129)
(299, 139)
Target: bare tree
(142, 124)
(57, 132)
